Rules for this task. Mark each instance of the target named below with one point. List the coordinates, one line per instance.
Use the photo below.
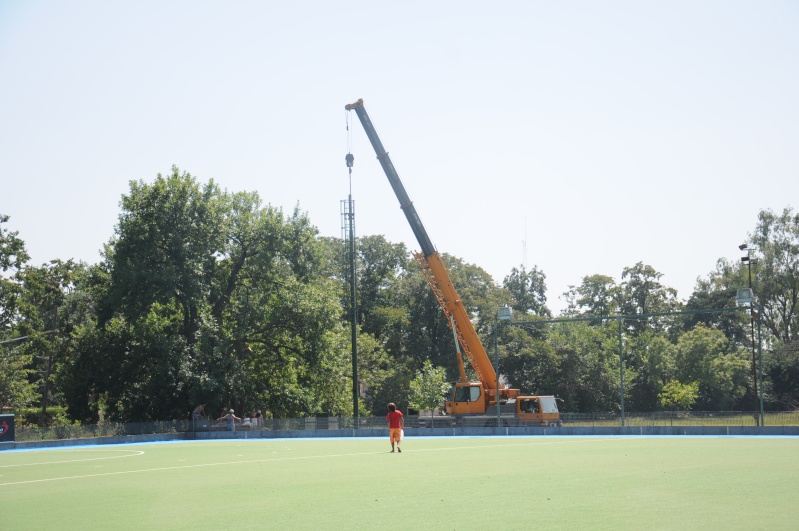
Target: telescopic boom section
(448, 297)
(393, 178)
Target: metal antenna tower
(348, 236)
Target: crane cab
(467, 398)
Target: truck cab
(540, 410)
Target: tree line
(209, 296)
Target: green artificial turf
(436, 483)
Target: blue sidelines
(374, 439)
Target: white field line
(263, 460)
(133, 453)
(536, 443)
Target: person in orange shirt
(396, 423)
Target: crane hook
(350, 160)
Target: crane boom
(393, 178)
(479, 401)
(434, 268)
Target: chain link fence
(661, 418)
(682, 418)
(88, 431)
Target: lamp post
(760, 366)
(620, 321)
(505, 313)
(749, 260)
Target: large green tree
(587, 377)
(718, 291)
(380, 265)
(776, 274)
(641, 292)
(597, 295)
(527, 361)
(704, 355)
(211, 298)
(782, 376)
(47, 321)
(13, 257)
(773, 254)
(649, 356)
(527, 290)
(383, 309)
(16, 388)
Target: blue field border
(84, 444)
(258, 435)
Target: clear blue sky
(592, 134)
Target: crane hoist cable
(349, 131)
(350, 158)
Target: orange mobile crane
(477, 401)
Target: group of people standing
(395, 421)
(230, 417)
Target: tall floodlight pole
(621, 369)
(748, 260)
(760, 366)
(350, 215)
(496, 360)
